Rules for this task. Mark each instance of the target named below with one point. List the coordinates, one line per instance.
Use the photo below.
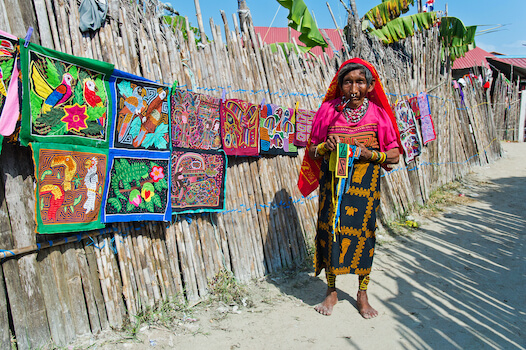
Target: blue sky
(509, 40)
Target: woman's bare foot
(325, 307)
(365, 309)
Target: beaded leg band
(331, 279)
(364, 282)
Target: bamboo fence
(73, 287)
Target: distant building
(472, 62)
(271, 35)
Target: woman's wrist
(320, 150)
(378, 157)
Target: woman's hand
(332, 142)
(365, 153)
(330, 145)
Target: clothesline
(251, 91)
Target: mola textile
(141, 113)
(195, 120)
(9, 103)
(198, 181)
(304, 119)
(277, 130)
(239, 127)
(70, 181)
(66, 99)
(137, 187)
(428, 127)
(408, 130)
(413, 103)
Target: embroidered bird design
(91, 180)
(150, 119)
(90, 94)
(56, 200)
(69, 171)
(133, 105)
(52, 96)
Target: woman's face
(354, 87)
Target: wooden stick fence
(84, 285)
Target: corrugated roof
(473, 58)
(517, 61)
(280, 35)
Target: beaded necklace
(356, 114)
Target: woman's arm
(327, 146)
(392, 155)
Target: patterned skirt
(347, 246)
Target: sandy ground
(457, 282)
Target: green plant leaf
(54, 73)
(149, 206)
(45, 173)
(77, 200)
(129, 206)
(157, 200)
(301, 20)
(114, 202)
(59, 129)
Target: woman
(355, 111)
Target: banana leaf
(301, 20)
(387, 11)
(403, 27)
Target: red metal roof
(517, 61)
(280, 35)
(473, 58)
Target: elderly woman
(355, 111)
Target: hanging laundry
(196, 122)
(137, 187)
(9, 102)
(92, 14)
(409, 134)
(277, 130)
(240, 127)
(304, 120)
(69, 184)
(66, 99)
(141, 114)
(198, 180)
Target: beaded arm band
(320, 150)
(378, 157)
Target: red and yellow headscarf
(310, 169)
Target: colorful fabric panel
(428, 127)
(304, 120)
(9, 103)
(138, 187)
(70, 183)
(240, 127)
(277, 130)
(66, 99)
(198, 181)
(409, 133)
(141, 113)
(196, 123)
(413, 103)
